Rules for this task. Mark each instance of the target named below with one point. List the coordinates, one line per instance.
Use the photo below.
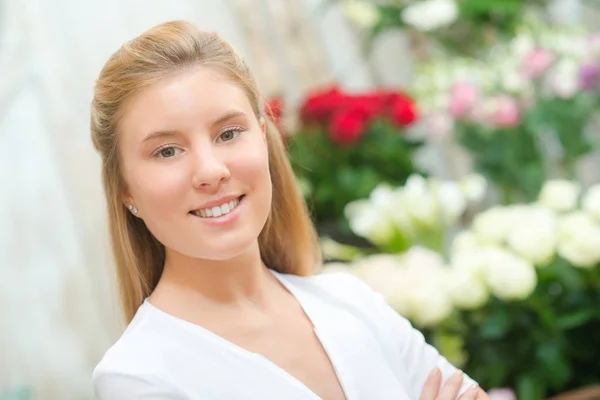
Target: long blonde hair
(288, 242)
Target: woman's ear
(128, 201)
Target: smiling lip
(218, 202)
(223, 219)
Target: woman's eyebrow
(225, 117)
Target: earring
(133, 209)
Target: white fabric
(375, 352)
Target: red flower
(273, 108)
(399, 107)
(320, 106)
(348, 125)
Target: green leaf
(495, 326)
(529, 387)
(577, 318)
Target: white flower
(429, 15)
(451, 200)
(381, 272)
(464, 242)
(466, 290)
(579, 239)
(563, 78)
(418, 202)
(474, 187)
(493, 225)
(368, 222)
(591, 201)
(361, 13)
(510, 277)
(534, 237)
(560, 195)
(431, 303)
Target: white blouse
(375, 352)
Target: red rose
(320, 106)
(403, 112)
(348, 125)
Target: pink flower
(536, 63)
(502, 394)
(440, 125)
(463, 97)
(501, 111)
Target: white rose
(466, 290)
(591, 201)
(534, 238)
(560, 195)
(474, 187)
(464, 242)
(361, 13)
(429, 15)
(510, 277)
(368, 222)
(579, 240)
(418, 201)
(492, 225)
(382, 272)
(451, 200)
(430, 302)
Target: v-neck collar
(320, 322)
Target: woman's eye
(229, 135)
(167, 152)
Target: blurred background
(448, 151)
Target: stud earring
(133, 209)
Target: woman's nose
(210, 168)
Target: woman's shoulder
(137, 350)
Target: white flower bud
(510, 277)
(560, 195)
(579, 239)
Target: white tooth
(216, 211)
(225, 208)
(208, 212)
(203, 213)
(232, 204)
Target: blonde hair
(288, 242)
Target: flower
(319, 106)
(466, 290)
(361, 13)
(591, 201)
(510, 277)
(589, 75)
(536, 62)
(501, 111)
(493, 225)
(502, 394)
(464, 242)
(579, 235)
(403, 111)
(369, 222)
(429, 15)
(534, 236)
(563, 78)
(474, 187)
(347, 126)
(452, 201)
(559, 195)
(463, 97)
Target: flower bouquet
(349, 143)
(515, 301)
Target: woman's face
(195, 163)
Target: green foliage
(339, 174)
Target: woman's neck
(236, 282)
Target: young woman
(215, 252)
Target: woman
(215, 251)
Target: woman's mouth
(218, 211)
